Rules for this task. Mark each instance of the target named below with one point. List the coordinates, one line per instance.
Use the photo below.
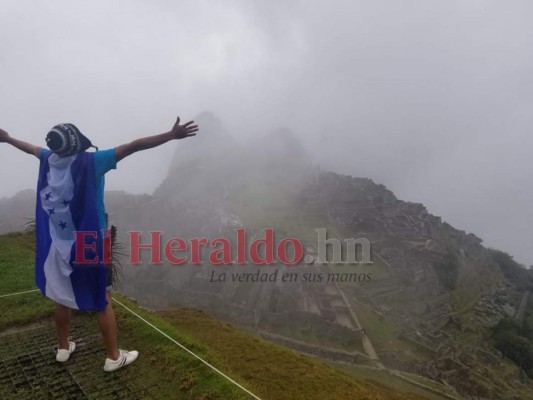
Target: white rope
(187, 350)
(165, 335)
(15, 294)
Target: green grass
(163, 362)
(467, 291)
(375, 375)
(269, 370)
(16, 275)
(281, 373)
(384, 333)
(379, 274)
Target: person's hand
(185, 130)
(3, 136)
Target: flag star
(62, 225)
(65, 202)
(48, 195)
(51, 211)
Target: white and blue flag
(66, 204)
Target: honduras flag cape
(66, 204)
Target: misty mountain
(432, 297)
(17, 211)
(435, 295)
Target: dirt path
(522, 308)
(365, 340)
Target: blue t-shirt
(104, 161)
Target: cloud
(431, 98)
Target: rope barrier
(187, 350)
(165, 335)
(15, 294)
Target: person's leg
(62, 322)
(108, 327)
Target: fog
(431, 98)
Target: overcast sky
(434, 99)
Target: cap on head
(66, 140)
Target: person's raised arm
(19, 144)
(178, 132)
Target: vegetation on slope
(448, 270)
(269, 370)
(515, 341)
(516, 273)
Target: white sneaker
(125, 358)
(64, 354)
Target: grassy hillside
(163, 370)
(16, 274)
